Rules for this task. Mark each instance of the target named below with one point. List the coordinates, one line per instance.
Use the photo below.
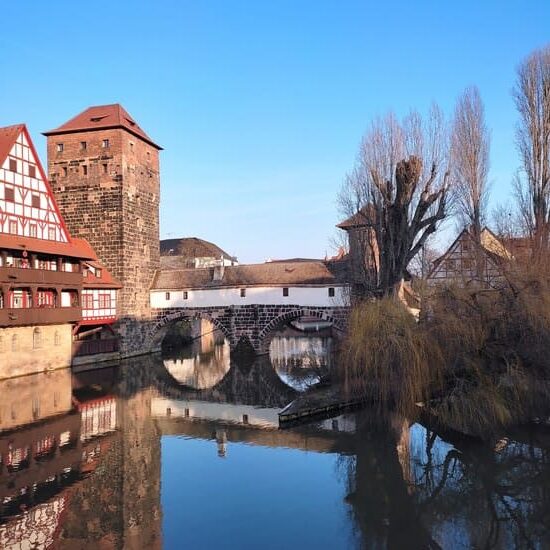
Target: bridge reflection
(83, 469)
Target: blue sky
(260, 105)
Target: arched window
(36, 338)
(14, 343)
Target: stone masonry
(253, 324)
(106, 182)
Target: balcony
(42, 277)
(39, 316)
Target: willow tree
(399, 189)
(532, 97)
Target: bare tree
(470, 144)
(532, 97)
(399, 192)
(507, 221)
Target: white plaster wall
(303, 296)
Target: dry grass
(480, 357)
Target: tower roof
(102, 117)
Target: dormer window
(98, 273)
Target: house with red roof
(41, 267)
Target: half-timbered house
(41, 276)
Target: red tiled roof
(102, 117)
(8, 135)
(106, 280)
(77, 248)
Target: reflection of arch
(267, 333)
(159, 330)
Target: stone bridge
(247, 324)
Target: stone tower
(104, 171)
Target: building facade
(104, 171)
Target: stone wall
(110, 196)
(32, 349)
(252, 324)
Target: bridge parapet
(253, 324)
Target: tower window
(105, 143)
(243, 292)
(331, 292)
(83, 145)
(32, 171)
(9, 194)
(59, 147)
(65, 171)
(185, 295)
(166, 295)
(105, 168)
(285, 291)
(13, 165)
(85, 170)
(35, 200)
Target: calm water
(186, 452)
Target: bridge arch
(160, 329)
(267, 333)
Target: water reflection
(301, 359)
(201, 364)
(115, 459)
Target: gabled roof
(363, 217)
(268, 274)
(191, 248)
(8, 135)
(105, 280)
(102, 117)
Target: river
(185, 452)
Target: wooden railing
(93, 347)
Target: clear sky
(260, 104)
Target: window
(450, 265)
(185, 295)
(33, 230)
(331, 292)
(285, 291)
(65, 171)
(83, 146)
(467, 263)
(13, 165)
(85, 170)
(243, 292)
(51, 233)
(35, 200)
(105, 143)
(9, 194)
(14, 343)
(87, 300)
(167, 296)
(36, 339)
(98, 273)
(56, 342)
(13, 227)
(59, 147)
(105, 168)
(104, 301)
(45, 298)
(32, 171)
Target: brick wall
(110, 196)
